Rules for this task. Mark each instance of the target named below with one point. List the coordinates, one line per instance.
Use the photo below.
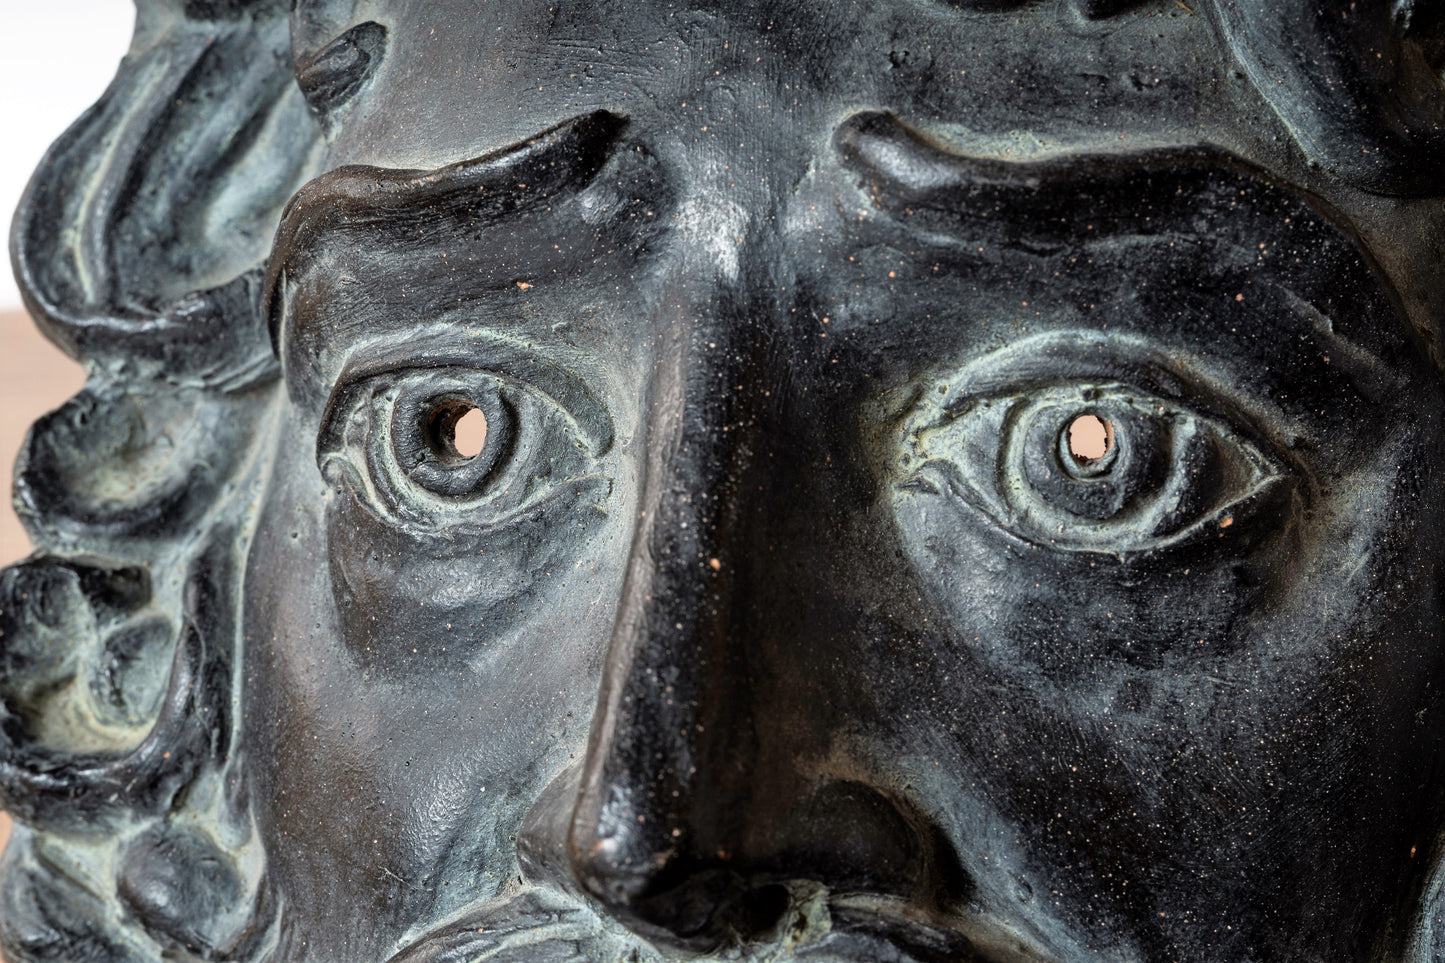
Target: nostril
(852, 837)
(762, 909)
(844, 838)
(616, 853)
(700, 909)
(616, 879)
(657, 883)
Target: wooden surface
(34, 378)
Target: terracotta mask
(961, 481)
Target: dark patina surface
(778, 617)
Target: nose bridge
(674, 700)
(709, 783)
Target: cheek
(413, 603)
(419, 758)
(1268, 700)
(1081, 621)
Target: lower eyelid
(456, 531)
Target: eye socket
(1156, 475)
(390, 437)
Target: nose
(704, 797)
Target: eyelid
(1075, 356)
(484, 352)
(980, 451)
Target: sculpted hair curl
(140, 246)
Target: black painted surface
(776, 619)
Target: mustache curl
(543, 925)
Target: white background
(56, 57)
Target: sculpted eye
(391, 438)
(1154, 474)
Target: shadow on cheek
(407, 601)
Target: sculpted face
(781, 614)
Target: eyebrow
(1056, 199)
(381, 205)
(1070, 201)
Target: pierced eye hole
(458, 431)
(471, 433)
(1091, 466)
(1089, 443)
